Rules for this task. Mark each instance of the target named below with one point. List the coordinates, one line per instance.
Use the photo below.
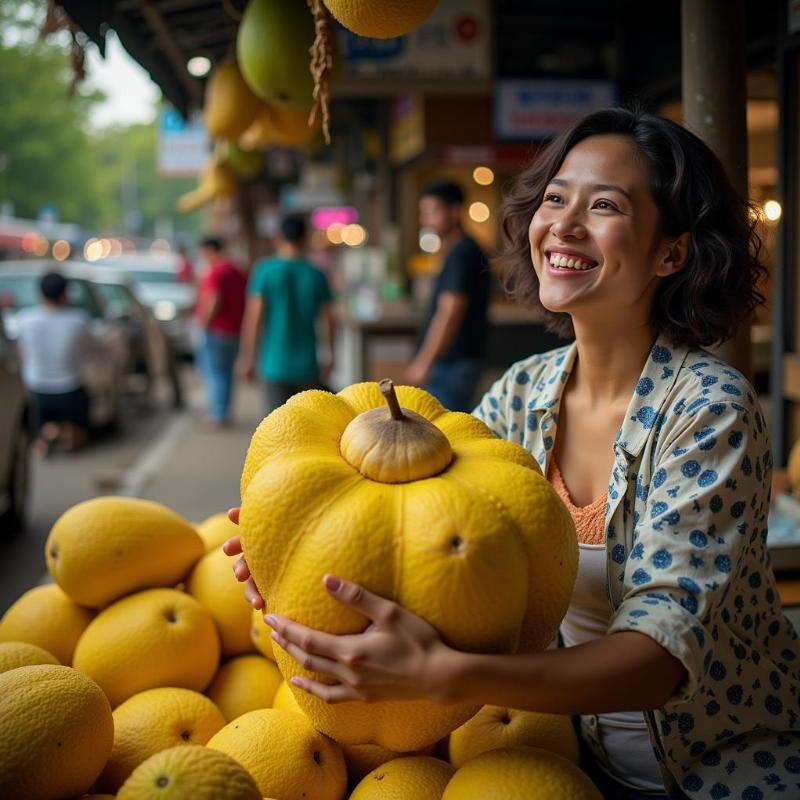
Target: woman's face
(592, 239)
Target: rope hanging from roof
(321, 64)
(57, 20)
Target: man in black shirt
(450, 347)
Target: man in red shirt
(218, 318)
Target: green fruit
(272, 48)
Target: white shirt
(52, 342)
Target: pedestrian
(218, 320)
(451, 342)
(286, 298)
(677, 658)
(53, 339)
(185, 267)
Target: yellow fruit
(159, 637)
(213, 584)
(420, 777)
(98, 797)
(361, 759)
(260, 634)
(46, 617)
(229, 105)
(512, 774)
(284, 700)
(55, 732)
(494, 727)
(23, 654)
(244, 684)
(190, 773)
(216, 530)
(152, 721)
(286, 756)
(102, 549)
(216, 180)
(481, 547)
(386, 20)
(287, 127)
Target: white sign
(539, 109)
(183, 147)
(452, 44)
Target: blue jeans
(453, 383)
(215, 355)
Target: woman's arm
(400, 656)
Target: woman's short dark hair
(706, 301)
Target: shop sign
(452, 44)
(539, 109)
(183, 146)
(406, 128)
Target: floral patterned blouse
(686, 544)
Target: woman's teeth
(569, 262)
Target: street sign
(183, 146)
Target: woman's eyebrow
(597, 187)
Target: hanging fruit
(216, 180)
(229, 106)
(381, 19)
(275, 126)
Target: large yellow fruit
(229, 105)
(216, 180)
(287, 127)
(213, 584)
(420, 777)
(284, 700)
(512, 774)
(361, 759)
(102, 549)
(452, 523)
(261, 634)
(55, 732)
(23, 654)
(216, 530)
(48, 618)
(244, 684)
(272, 48)
(159, 637)
(286, 756)
(383, 20)
(190, 773)
(155, 720)
(494, 727)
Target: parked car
(156, 283)
(102, 371)
(15, 438)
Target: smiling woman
(676, 658)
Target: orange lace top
(588, 519)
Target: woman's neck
(609, 362)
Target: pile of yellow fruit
(141, 671)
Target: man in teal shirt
(286, 297)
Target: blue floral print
(688, 565)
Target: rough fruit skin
(104, 548)
(285, 755)
(284, 700)
(55, 732)
(195, 772)
(48, 618)
(511, 774)
(155, 720)
(229, 106)
(485, 551)
(361, 759)
(213, 584)
(159, 637)
(386, 20)
(260, 634)
(494, 727)
(272, 49)
(420, 777)
(23, 654)
(216, 530)
(244, 684)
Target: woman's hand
(398, 656)
(233, 547)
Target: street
(159, 454)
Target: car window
(117, 300)
(151, 276)
(79, 295)
(19, 291)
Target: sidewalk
(197, 472)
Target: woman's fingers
(310, 641)
(233, 514)
(252, 595)
(336, 693)
(233, 546)
(315, 663)
(372, 606)
(241, 570)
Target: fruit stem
(387, 390)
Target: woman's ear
(675, 254)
